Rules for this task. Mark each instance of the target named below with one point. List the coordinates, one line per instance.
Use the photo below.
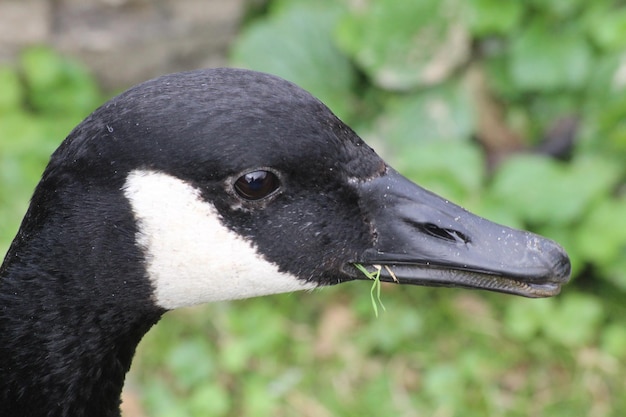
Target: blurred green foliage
(462, 97)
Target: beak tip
(563, 269)
(559, 263)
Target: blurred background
(515, 110)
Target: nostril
(433, 230)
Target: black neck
(58, 358)
(74, 304)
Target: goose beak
(422, 239)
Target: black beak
(422, 239)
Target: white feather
(191, 257)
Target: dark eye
(256, 185)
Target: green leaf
(191, 362)
(257, 400)
(445, 385)
(57, 85)
(613, 340)
(375, 290)
(444, 113)
(453, 170)
(427, 135)
(487, 17)
(402, 44)
(575, 321)
(11, 87)
(209, 399)
(542, 190)
(607, 80)
(558, 8)
(601, 238)
(161, 401)
(545, 59)
(530, 186)
(523, 318)
(607, 27)
(234, 357)
(615, 271)
(296, 44)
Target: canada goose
(216, 185)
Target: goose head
(213, 185)
(243, 184)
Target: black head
(299, 185)
(217, 184)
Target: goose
(217, 184)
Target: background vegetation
(515, 110)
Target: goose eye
(256, 185)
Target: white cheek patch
(191, 257)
